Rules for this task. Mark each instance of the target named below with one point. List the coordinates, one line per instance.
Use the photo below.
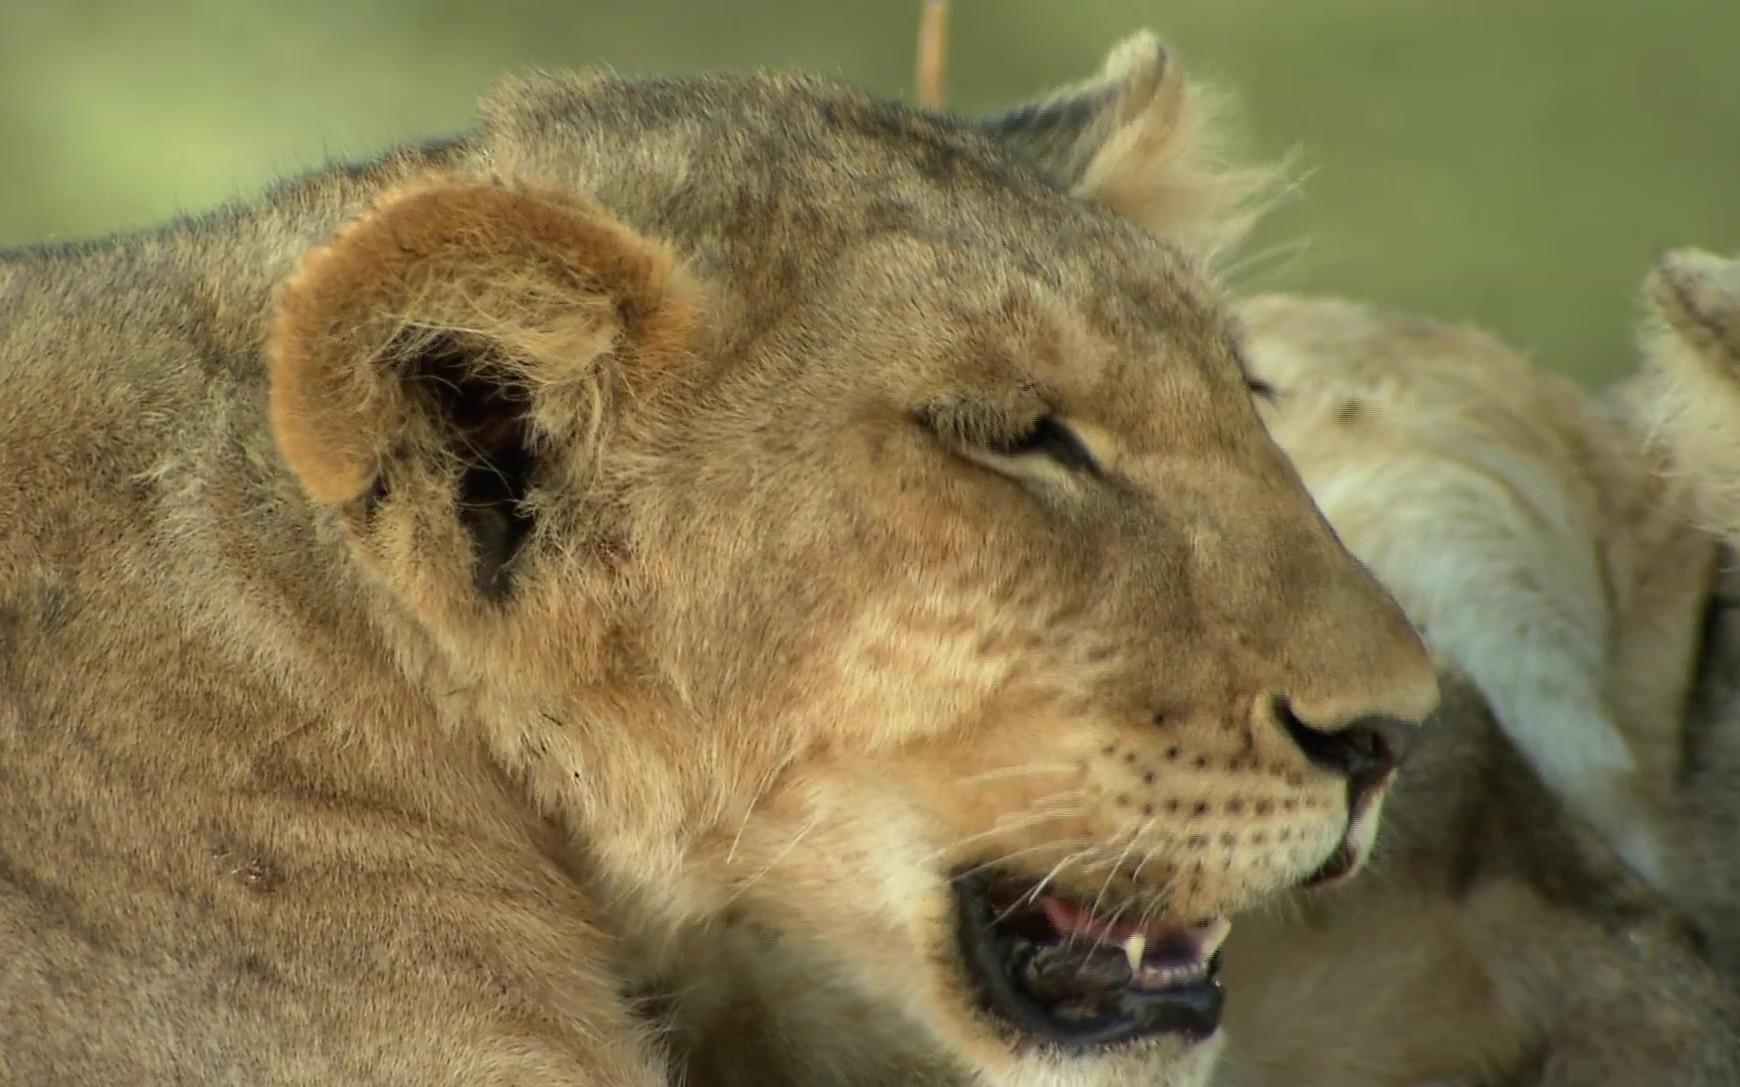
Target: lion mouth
(1056, 972)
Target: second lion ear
(1687, 393)
(1696, 296)
(1146, 142)
(456, 346)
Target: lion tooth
(1133, 948)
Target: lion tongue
(1154, 947)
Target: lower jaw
(1161, 1061)
(1177, 1018)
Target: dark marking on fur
(52, 902)
(256, 968)
(1715, 331)
(1050, 133)
(35, 606)
(249, 868)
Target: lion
(438, 595)
(1687, 393)
(1522, 526)
(1520, 925)
(1500, 937)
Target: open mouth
(1058, 973)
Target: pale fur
(1521, 526)
(438, 597)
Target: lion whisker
(803, 832)
(1033, 893)
(1007, 824)
(1159, 899)
(749, 810)
(1011, 855)
(1006, 772)
(1111, 874)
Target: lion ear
(1696, 297)
(1148, 143)
(461, 342)
(1687, 393)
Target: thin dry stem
(933, 46)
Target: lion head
(855, 523)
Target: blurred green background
(1512, 162)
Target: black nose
(1364, 749)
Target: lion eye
(1049, 438)
(1260, 389)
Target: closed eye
(990, 439)
(1048, 437)
(1261, 389)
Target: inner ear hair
(477, 336)
(483, 419)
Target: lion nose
(1365, 749)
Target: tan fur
(438, 596)
(1521, 527)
